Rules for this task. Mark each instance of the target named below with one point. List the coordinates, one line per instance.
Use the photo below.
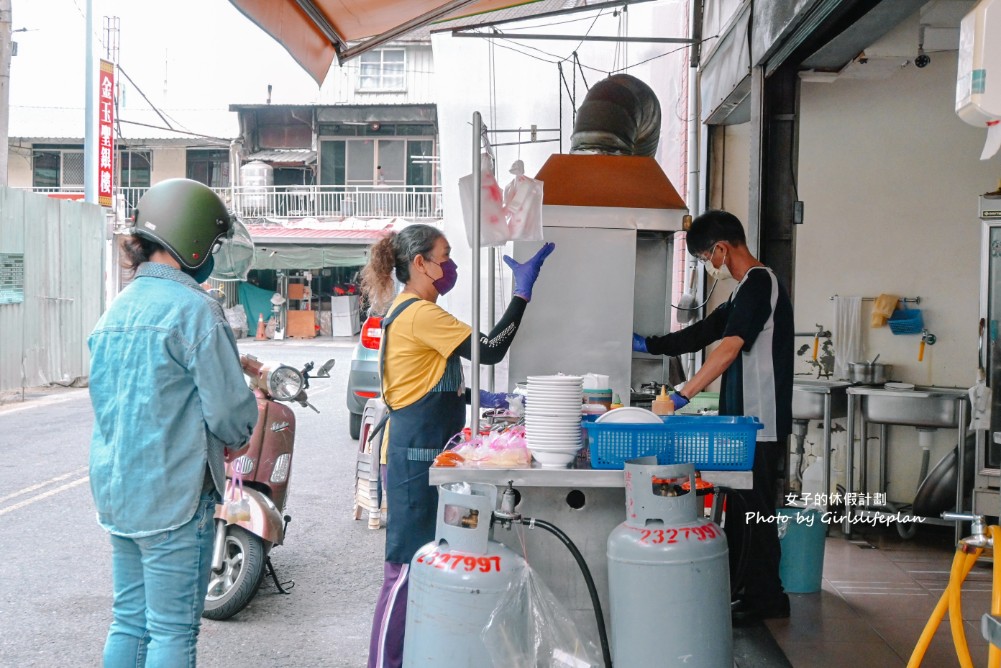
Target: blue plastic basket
(906, 321)
(710, 442)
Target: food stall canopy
(314, 244)
(294, 256)
(317, 31)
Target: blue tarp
(255, 301)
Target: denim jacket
(168, 396)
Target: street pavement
(55, 572)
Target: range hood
(609, 191)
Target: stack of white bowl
(552, 419)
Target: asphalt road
(55, 568)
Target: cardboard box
(344, 305)
(325, 325)
(296, 290)
(301, 324)
(346, 324)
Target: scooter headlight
(285, 383)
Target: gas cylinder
(456, 581)
(668, 574)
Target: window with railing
(382, 70)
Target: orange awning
(317, 31)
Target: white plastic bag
(523, 205)
(237, 505)
(493, 223)
(530, 628)
(237, 319)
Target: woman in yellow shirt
(423, 388)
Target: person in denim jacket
(169, 397)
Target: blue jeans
(160, 583)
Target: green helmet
(185, 217)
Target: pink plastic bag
(493, 223)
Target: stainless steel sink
(929, 407)
(808, 398)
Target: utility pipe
(5, 55)
(694, 153)
(90, 113)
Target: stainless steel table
(927, 407)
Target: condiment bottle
(663, 405)
(616, 403)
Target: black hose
(606, 653)
(742, 558)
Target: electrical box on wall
(978, 83)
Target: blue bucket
(801, 535)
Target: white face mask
(720, 273)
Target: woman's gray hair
(410, 242)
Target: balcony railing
(337, 201)
(131, 194)
(416, 202)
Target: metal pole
(474, 357)
(491, 306)
(90, 127)
(694, 158)
(5, 54)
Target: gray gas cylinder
(668, 575)
(456, 582)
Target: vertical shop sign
(106, 138)
(11, 278)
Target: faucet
(978, 536)
(926, 338)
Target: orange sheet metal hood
(350, 21)
(607, 180)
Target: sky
(183, 54)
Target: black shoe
(746, 611)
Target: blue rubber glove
(639, 343)
(493, 399)
(678, 401)
(526, 273)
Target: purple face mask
(450, 274)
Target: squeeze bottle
(663, 405)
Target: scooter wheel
(231, 589)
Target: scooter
(257, 487)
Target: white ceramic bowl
(554, 436)
(564, 412)
(552, 423)
(559, 378)
(552, 459)
(548, 400)
(564, 440)
(540, 433)
(555, 447)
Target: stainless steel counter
(587, 504)
(540, 477)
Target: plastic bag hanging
(531, 627)
(523, 205)
(493, 223)
(237, 506)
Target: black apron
(417, 434)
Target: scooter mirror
(324, 371)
